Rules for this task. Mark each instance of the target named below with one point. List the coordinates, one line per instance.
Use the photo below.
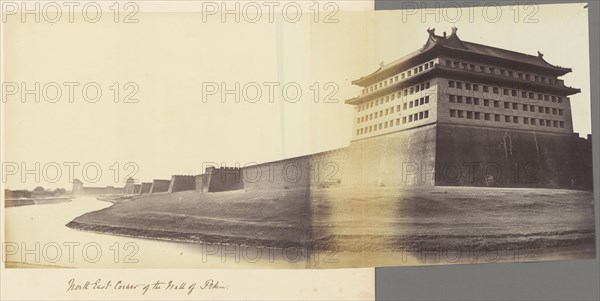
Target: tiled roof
(455, 43)
(506, 54)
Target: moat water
(373, 229)
(36, 236)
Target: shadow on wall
(468, 156)
(160, 186)
(182, 183)
(219, 179)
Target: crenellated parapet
(146, 186)
(160, 186)
(182, 183)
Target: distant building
(467, 104)
(457, 82)
(129, 186)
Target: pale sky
(169, 55)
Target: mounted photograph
(205, 136)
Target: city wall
(393, 159)
(223, 179)
(182, 183)
(437, 154)
(146, 186)
(160, 186)
(320, 169)
(480, 156)
(81, 190)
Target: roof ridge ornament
(454, 30)
(431, 31)
(540, 55)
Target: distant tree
(15, 194)
(60, 191)
(39, 189)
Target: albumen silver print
(292, 135)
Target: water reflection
(36, 236)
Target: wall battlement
(146, 186)
(160, 186)
(182, 183)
